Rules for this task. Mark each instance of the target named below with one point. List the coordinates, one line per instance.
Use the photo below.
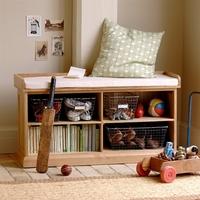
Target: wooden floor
(10, 171)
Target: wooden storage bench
(85, 142)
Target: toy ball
(66, 170)
(156, 107)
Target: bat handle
(51, 92)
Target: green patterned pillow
(126, 52)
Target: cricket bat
(46, 131)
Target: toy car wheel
(168, 174)
(141, 171)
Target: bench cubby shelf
(102, 154)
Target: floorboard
(10, 171)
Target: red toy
(139, 111)
(66, 170)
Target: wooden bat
(46, 131)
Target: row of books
(68, 138)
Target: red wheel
(168, 174)
(141, 171)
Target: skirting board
(8, 140)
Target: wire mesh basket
(37, 105)
(120, 106)
(137, 137)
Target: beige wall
(155, 16)
(88, 16)
(191, 69)
(17, 54)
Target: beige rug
(185, 187)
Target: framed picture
(41, 50)
(54, 25)
(57, 46)
(33, 25)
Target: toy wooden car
(167, 169)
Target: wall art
(57, 46)
(54, 25)
(41, 50)
(33, 25)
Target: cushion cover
(126, 52)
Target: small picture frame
(33, 23)
(41, 50)
(54, 25)
(57, 46)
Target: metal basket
(37, 106)
(120, 106)
(79, 106)
(137, 137)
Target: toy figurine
(180, 154)
(192, 151)
(169, 151)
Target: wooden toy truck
(167, 169)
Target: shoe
(88, 105)
(86, 116)
(74, 104)
(74, 115)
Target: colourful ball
(156, 108)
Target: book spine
(81, 140)
(89, 138)
(93, 137)
(97, 144)
(68, 138)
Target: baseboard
(8, 140)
